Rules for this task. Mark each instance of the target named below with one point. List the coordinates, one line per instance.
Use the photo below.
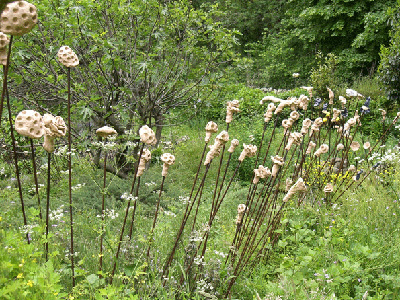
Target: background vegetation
(173, 65)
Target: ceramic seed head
(248, 151)
(168, 159)
(321, 150)
(331, 96)
(354, 146)
(4, 40)
(231, 108)
(328, 188)
(67, 57)
(277, 163)
(29, 123)
(211, 128)
(311, 146)
(234, 144)
(241, 211)
(54, 127)
(105, 131)
(18, 18)
(146, 156)
(3, 56)
(306, 125)
(339, 147)
(367, 145)
(147, 135)
(309, 89)
(299, 186)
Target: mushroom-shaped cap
(270, 98)
(294, 115)
(262, 172)
(67, 57)
(222, 137)
(342, 100)
(233, 105)
(331, 95)
(353, 93)
(367, 145)
(318, 121)
(271, 107)
(54, 126)
(321, 150)
(4, 40)
(212, 127)
(241, 209)
(248, 151)
(311, 146)
(309, 89)
(339, 147)
(354, 146)
(352, 168)
(3, 56)
(147, 135)
(168, 159)
(29, 123)
(146, 155)
(105, 131)
(328, 188)
(234, 144)
(18, 18)
(277, 160)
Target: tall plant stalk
(47, 205)
(35, 178)
(14, 146)
(70, 178)
(5, 78)
(102, 212)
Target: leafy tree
(389, 68)
(138, 59)
(352, 30)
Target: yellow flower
(20, 275)
(29, 283)
(1, 219)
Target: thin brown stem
(5, 77)
(35, 178)
(47, 205)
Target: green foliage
(324, 75)
(390, 59)
(352, 30)
(22, 272)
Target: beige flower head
(211, 128)
(261, 172)
(354, 146)
(248, 151)
(234, 144)
(306, 126)
(147, 135)
(222, 137)
(342, 100)
(67, 57)
(311, 146)
(328, 188)
(352, 169)
(299, 186)
(241, 211)
(294, 115)
(309, 89)
(54, 127)
(18, 18)
(277, 163)
(339, 147)
(105, 131)
(324, 148)
(331, 95)
(29, 123)
(168, 159)
(4, 40)
(270, 98)
(367, 145)
(146, 156)
(231, 108)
